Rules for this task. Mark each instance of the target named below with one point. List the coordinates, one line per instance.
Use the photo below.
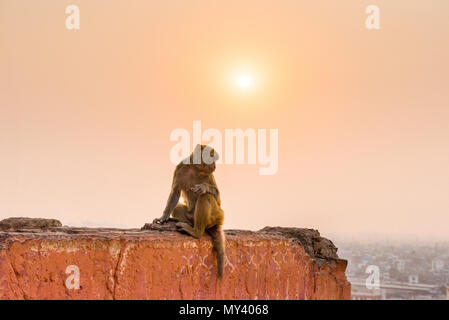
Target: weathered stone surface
(314, 244)
(28, 223)
(159, 263)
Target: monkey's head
(204, 157)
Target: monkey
(194, 180)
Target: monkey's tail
(219, 242)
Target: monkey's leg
(201, 218)
(181, 214)
(219, 242)
(183, 226)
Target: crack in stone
(15, 272)
(114, 275)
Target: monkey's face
(207, 168)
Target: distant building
(361, 265)
(368, 295)
(366, 260)
(400, 265)
(413, 279)
(437, 265)
(423, 297)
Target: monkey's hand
(161, 220)
(200, 188)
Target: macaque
(194, 179)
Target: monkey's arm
(205, 187)
(210, 188)
(214, 189)
(171, 204)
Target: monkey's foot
(168, 226)
(181, 225)
(187, 228)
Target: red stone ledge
(159, 263)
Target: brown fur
(202, 209)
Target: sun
(244, 81)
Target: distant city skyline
(388, 270)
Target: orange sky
(363, 116)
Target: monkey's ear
(214, 154)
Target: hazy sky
(363, 116)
